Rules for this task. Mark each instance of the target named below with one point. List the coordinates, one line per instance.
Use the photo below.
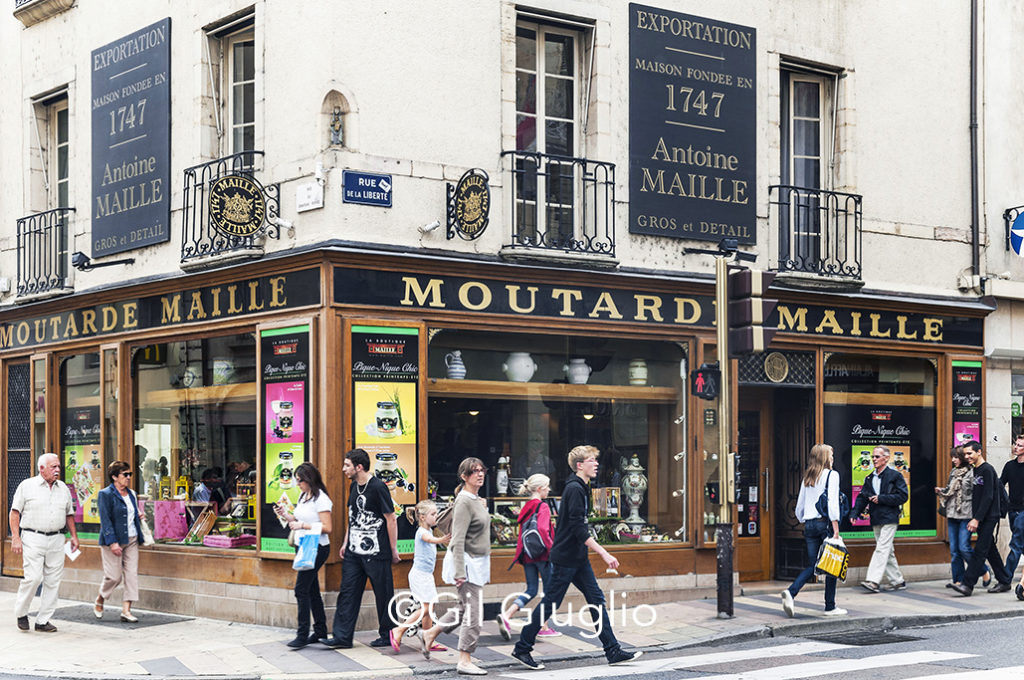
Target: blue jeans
(581, 576)
(815, 533)
(534, 572)
(1016, 519)
(959, 548)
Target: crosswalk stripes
(827, 667)
(1012, 672)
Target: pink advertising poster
(965, 432)
(285, 415)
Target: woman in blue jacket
(120, 533)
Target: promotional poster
(966, 402)
(83, 461)
(285, 403)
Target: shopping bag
(308, 544)
(833, 559)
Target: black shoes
(381, 642)
(623, 657)
(299, 642)
(22, 623)
(334, 643)
(527, 660)
(962, 589)
(46, 627)
(1019, 591)
(1000, 588)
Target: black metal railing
(199, 238)
(43, 251)
(819, 231)
(19, 3)
(562, 203)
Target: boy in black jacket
(570, 564)
(985, 514)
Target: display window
(520, 402)
(195, 438)
(889, 401)
(1017, 402)
(81, 441)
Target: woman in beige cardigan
(467, 564)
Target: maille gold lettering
(605, 304)
(681, 315)
(254, 295)
(5, 336)
(54, 322)
(215, 292)
(71, 328)
(828, 320)
(40, 330)
(195, 310)
(485, 295)
(567, 295)
(645, 304)
(131, 319)
(797, 321)
(109, 319)
(513, 299)
(412, 287)
(932, 329)
(23, 332)
(856, 323)
(901, 330)
(171, 309)
(277, 296)
(233, 307)
(89, 322)
(875, 331)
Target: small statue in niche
(336, 127)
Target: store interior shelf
(560, 391)
(193, 395)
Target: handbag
(308, 545)
(822, 504)
(833, 559)
(293, 541)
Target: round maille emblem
(776, 367)
(237, 206)
(472, 204)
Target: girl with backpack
(535, 539)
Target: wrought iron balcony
(561, 203)
(43, 252)
(226, 212)
(819, 231)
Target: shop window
(525, 400)
(889, 401)
(19, 434)
(194, 407)
(81, 442)
(1016, 403)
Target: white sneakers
(787, 603)
(838, 611)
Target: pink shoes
(548, 632)
(395, 644)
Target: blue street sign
(367, 188)
(1017, 235)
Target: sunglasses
(127, 474)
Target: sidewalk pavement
(170, 646)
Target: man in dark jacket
(985, 514)
(881, 498)
(571, 565)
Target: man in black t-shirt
(1013, 475)
(369, 550)
(985, 515)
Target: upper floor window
(806, 118)
(546, 86)
(241, 69)
(231, 110)
(59, 145)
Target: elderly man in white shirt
(40, 512)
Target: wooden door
(754, 503)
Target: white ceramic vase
(519, 367)
(577, 371)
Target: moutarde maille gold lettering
(23, 333)
(233, 307)
(5, 336)
(54, 322)
(171, 309)
(647, 304)
(794, 321)
(682, 304)
(855, 330)
(513, 299)
(413, 289)
(828, 320)
(567, 295)
(932, 329)
(485, 296)
(215, 292)
(71, 327)
(109, 319)
(277, 294)
(131, 317)
(254, 295)
(605, 305)
(196, 310)
(875, 330)
(40, 330)
(89, 322)
(901, 330)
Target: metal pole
(723, 530)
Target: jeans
(815, 533)
(354, 572)
(307, 595)
(534, 572)
(959, 548)
(1016, 519)
(581, 576)
(985, 548)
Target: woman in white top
(314, 506)
(817, 477)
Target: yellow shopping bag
(833, 559)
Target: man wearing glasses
(881, 498)
(40, 512)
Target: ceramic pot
(456, 369)
(577, 371)
(637, 372)
(519, 367)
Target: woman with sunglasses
(120, 533)
(467, 565)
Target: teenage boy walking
(985, 513)
(570, 564)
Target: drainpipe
(975, 219)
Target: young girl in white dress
(421, 576)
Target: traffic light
(704, 381)
(749, 311)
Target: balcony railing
(819, 231)
(200, 239)
(561, 203)
(43, 252)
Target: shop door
(754, 503)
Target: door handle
(767, 487)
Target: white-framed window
(231, 86)
(805, 141)
(60, 146)
(240, 66)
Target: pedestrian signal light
(705, 381)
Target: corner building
(245, 236)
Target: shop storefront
(215, 387)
